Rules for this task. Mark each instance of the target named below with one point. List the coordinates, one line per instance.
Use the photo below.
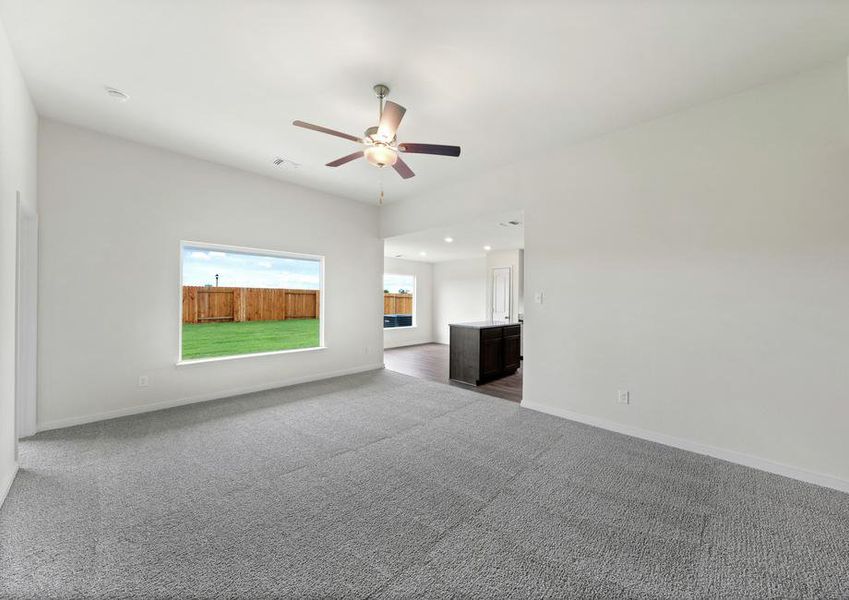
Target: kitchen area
(468, 302)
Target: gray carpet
(380, 485)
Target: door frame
(26, 321)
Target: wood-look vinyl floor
(430, 361)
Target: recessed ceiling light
(117, 94)
(487, 248)
(422, 253)
(449, 239)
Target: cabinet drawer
(512, 330)
(491, 333)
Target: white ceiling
(224, 80)
(494, 230)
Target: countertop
(484, 324)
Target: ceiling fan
(381, 146)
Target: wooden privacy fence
(203, 304)
(397, 304)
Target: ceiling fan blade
(430, 149)
(403, 169)
(389, 120)
(327, 131)
(346, 159)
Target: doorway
(500, 306)
(465, 273)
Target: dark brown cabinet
(512, 349)
(484, 351)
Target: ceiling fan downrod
(381, 91)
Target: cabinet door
(512, 352)
(491, 357)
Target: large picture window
(241, 301)
(399, 300)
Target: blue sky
(395, 282)
(248, 270)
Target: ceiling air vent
(117, 94)
(285, 163)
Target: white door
(26, 304)
(501, 294)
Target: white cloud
(248, 270)
(298, 280)
(393, 283)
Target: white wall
(112, 215)
(702, 262)
(422, 333)
(461, 202)
(18, 131)
(506, 258)
(459, 294)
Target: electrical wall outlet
(624, 397)
(144, 381)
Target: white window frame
(255, 251)
(415, 282)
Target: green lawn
(203, 340)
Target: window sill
(402, 327)
(212, 359)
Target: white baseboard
(5, 486)
(407, 344)
(733, 456)
(217, 395)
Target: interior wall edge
(18, 179)
(733, 456)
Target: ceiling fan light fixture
(380, 155)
